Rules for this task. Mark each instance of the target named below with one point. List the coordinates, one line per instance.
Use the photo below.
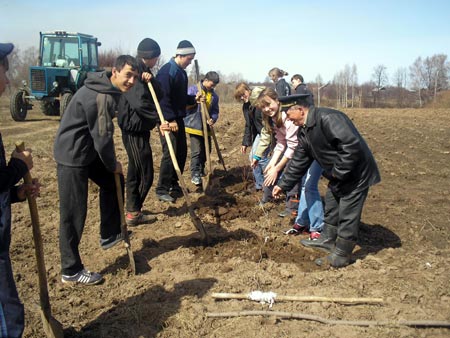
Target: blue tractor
(64, 61)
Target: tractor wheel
(64, 103)
(18, 106)
(50, 108)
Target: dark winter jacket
(174, 83)
(193, 121)
(253, 123)
(330, 138)
(137, 111)
(86, 128)
(303, 89)
(10, 174)
(282, 88)
(253, 118)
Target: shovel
(123, 223)
(197, 222)
(52, 328)
(213, 133)
(204, 113)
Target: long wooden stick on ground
(292, 315)
(197, 222)
(302, 298)
(123, 223)
(52, 327)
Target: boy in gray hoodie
(84, 149)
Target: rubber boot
(326, 241)
(342, 253)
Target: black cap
(212, 76)
(148, 49)
(5, 49)
(291, 100)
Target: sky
(250, 37)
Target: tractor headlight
(55, 84)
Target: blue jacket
(193, 121)
(174, 83)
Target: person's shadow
(374, 238)
(152, 249)
(145, 314)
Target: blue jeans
(310, 208)
(258, 171)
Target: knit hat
(5, 49)
(185, 48)
(148, 49)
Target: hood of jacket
(101, 83)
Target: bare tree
(337, 82)
(20, 63)
(400, 80)
(417, 75)
(234, 78)
(438, 70)
(346, 79)
(380, 79)
(400, 77)
(353, 81)
(107, 58)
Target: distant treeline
(425, 82)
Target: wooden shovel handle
(37, 238)
(197, 222)
(204, 114)
(123, 222)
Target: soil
(402, 256)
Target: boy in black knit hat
(137, 116)
(174, 82)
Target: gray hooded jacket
(86, 128)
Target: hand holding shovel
(197, 222)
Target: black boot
(326, 241)
(340, 257)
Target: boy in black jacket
(84, 149)
(137, 116)
(11, 309)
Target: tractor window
(59, 51)
(89, 49)
(94, 58)
(85, 49)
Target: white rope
(263, 297)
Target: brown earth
(403, 253)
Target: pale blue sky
(250, 37)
